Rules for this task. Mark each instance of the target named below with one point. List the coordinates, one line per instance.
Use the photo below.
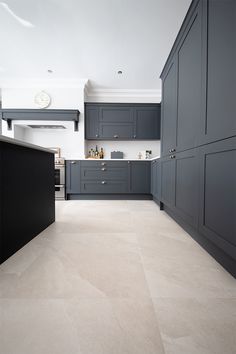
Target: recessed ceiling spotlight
(50, 71)
(119, 72)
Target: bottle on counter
(96, 152)
(101, 154)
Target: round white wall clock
(42, 99)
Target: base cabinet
(217, 208)
(72, 176)
(156, 179)
(107, 177)
(139, 177)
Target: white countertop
(106, 159)
(8, 140)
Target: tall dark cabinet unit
(198, 163)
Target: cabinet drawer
(104, 187)
(103, 172)
(104, 163)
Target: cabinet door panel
(167, 181)
(147, 122)
(187, 186)
(140, 177)
(220, 122)
(218, 194)
(116, 114)
(116, 131)
(169, 110)
(72, 177)
(190, 83)
(91, 122)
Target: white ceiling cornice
(122, 94)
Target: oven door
(59, 175)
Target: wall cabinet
(218, 194)
(122, 121)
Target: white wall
(129, 148)
(70, 142)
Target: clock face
(42, 99)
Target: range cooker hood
(41, 114)
(40, 126)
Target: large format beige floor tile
(115, 277)
(197, 326)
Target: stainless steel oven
(59, 179)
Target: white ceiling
(89, 39)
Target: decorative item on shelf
(144, 155)
(117, 155)
(42, 99)
(95, 153)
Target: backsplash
(129, 148)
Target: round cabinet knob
(104, 182)
(134, 136)
(170, 150)
(97, 135)
(115, 136)
(103, 163)
(103, 169)
(73, 162)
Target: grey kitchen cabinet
(217, 207)
(72, 177)
(168, 181)
(186, 186)
(156, 179)
(104, 187)
(139, 177)
(92, 122)
(189, 89)
(116, 131)
(180, 185)
(147, 122)
(122, 121)
(219, 122)
(169, 109)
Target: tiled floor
(115, 277)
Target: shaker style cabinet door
(187, 186)
(147, 121)
(218, 194)
(169, 109)
(220, 119)
(72, 176)
(168, 181)
(139, 177)
(91, 122)
(190, 79)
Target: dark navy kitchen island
(27, 193)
